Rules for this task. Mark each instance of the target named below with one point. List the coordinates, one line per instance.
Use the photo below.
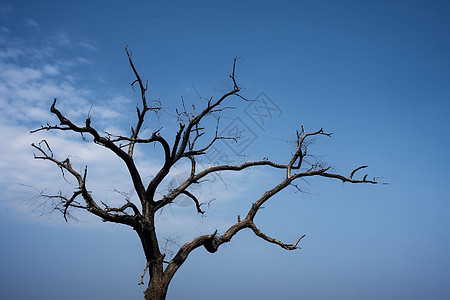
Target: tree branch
(91, 205)
(210, 108)
(143, 273)
(183, 137)
(197, 204)
(275, 241)
(145, 108)
(184, 252)
(67, 125)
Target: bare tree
(189, 144)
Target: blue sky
(376, 73)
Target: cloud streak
(31, 77)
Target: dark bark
(157, 289)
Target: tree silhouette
(190, 143)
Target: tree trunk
(156, 290)
(158, 285)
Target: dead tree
(187, 145)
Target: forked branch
(275, 241)
(145, 108)
(214, 241)
(106, 214)
(67, 125)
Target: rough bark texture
(188, 145)
(158, 285)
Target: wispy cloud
(30, 78)
(32, 74)
(31, 23)
(6, 10)
(4, 30)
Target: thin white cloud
(31, 23)
(30, 78)
(6, 10)
(63, 39)
(15, 76)
(87, 45)
(82, 60)
(5, 30)
(26, 92)
(50, 70)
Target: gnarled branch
(82, 191)
(67, 125)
